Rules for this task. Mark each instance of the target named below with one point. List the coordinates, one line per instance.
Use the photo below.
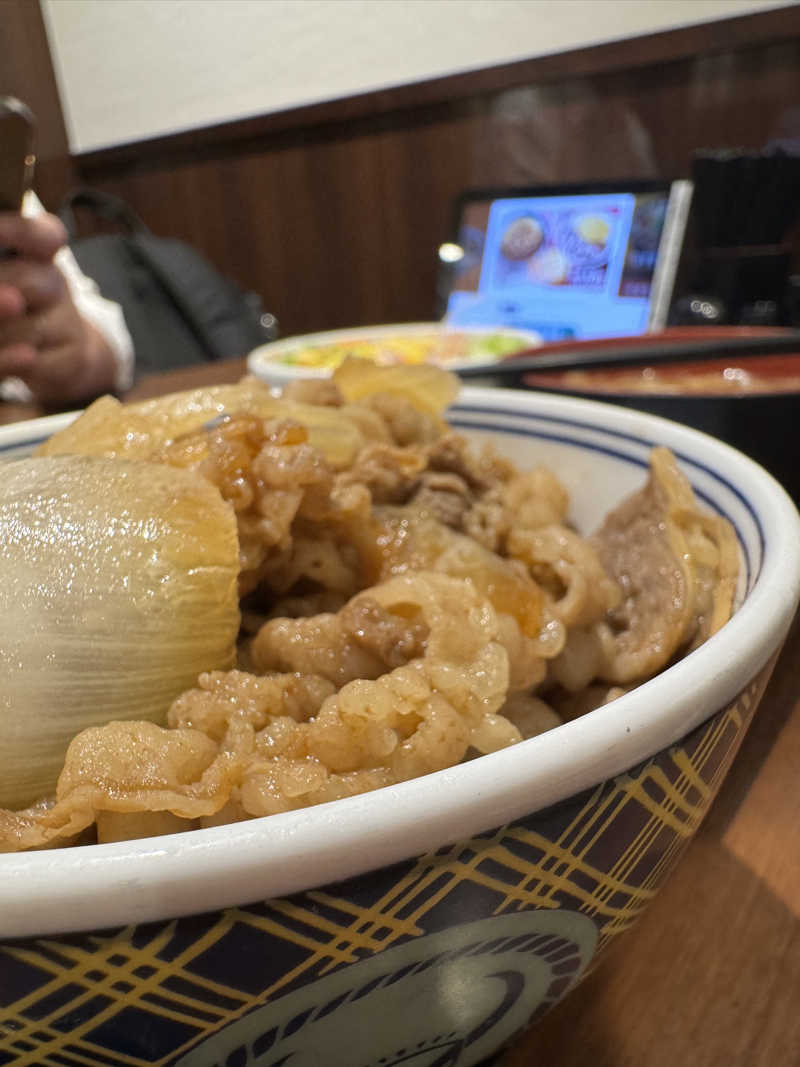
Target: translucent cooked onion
(136, 431)
(118, 586)
(429, 388)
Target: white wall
(131, 69)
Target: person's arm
(59, 337)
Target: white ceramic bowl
(320, 930)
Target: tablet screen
(569, 263)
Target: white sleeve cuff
(104, 315)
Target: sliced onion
(427, 387)
(136, 431)
(118, 586)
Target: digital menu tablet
(570, 262)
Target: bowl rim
(100, 886)
(591, 387)
(616, 396)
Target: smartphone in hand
(17, 155)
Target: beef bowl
(432, 919)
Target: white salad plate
(302, 357)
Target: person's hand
(44, 340)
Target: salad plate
(317, 355)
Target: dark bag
(178, 308)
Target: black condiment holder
(748, 280)
(745, 204)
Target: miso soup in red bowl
(749, 401)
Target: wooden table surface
(710, 977)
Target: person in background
(61, 342)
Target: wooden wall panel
(335, 217)
(330, 230)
